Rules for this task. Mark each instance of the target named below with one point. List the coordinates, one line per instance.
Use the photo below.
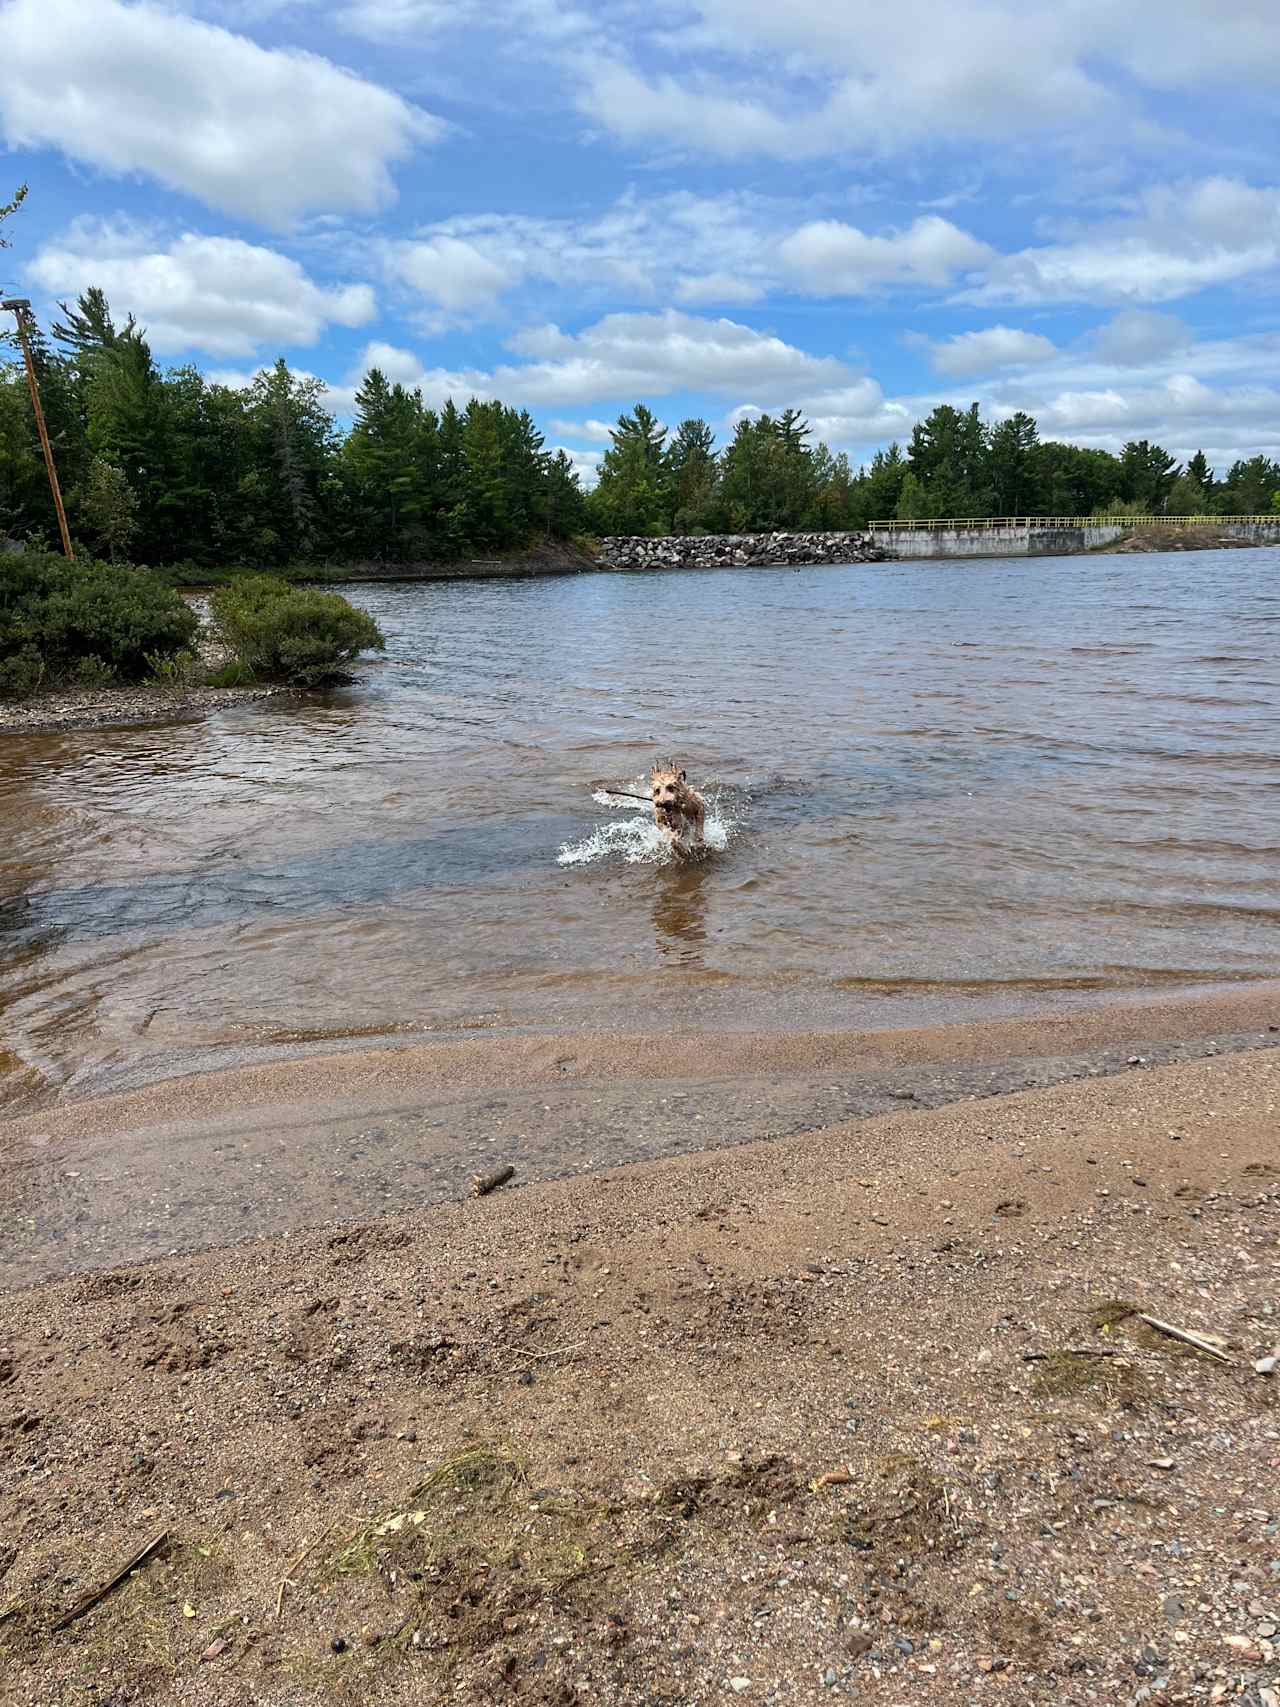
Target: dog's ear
(684, 776)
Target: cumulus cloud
(720, 289)
(696, 249)
(599, 432)
(586, 463)
(829, 258)
(653, 355)
(985, 351)
(267, 133)
(216, 294)
(1138, 336)
(452, 273)
(751, 77)
(737, 249)
(1180, 240)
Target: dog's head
(666, 783)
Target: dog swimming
(680, 826)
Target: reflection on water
(940, 789)
(680, 912)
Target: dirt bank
(559, 1445)
(1180, 539)
(554, 557)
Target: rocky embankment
(737, 550)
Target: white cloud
(599, 432)
(653, 355)
(702, 289)
(859, 416)
(809, 78)
(217, 294)
(437, 385)
(828, 258)
(267, 133)
(450, 272)
(1182, 239)
(586, 463)
(697, 249)
(1138, 336)
(984, 351)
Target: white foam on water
(635, 838)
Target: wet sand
(193, 1162)
(559, 1445)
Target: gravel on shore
(98, 708)
(866, 1413)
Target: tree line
(772, 476)
(165, 467)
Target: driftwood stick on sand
(286, 1581)
(1193, 1340)
(556, 1350)
(91, 1600)
(483, 1184)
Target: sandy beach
(866, 1412)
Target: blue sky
(719, 205)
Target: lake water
(940, 791)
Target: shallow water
(940, 790)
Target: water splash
(636, 838)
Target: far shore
(151, 703)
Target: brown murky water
(940, 791)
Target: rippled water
(945, 790)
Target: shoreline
(561, 1444)
(269, 1148)
(136, 707)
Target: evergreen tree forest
(771, 475)
(162, 466)
(165, 467)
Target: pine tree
(1147, 474)
(630, 495)
(692, 475)
(1013, 473)
(108, 509)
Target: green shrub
(174, 670)
(21, 673)
(295, 635)
(85, 622)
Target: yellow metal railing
(979, 524)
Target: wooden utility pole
(20, 308)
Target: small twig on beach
(1193, 1340)
(286, 1581)
(483, 1184)
(556, 1351)
(91, 1600)
(1074, 1351)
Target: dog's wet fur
(679, 811)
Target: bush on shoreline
(84, 623)
(303, 637)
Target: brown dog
(679, 811)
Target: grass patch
(1106, 1381)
